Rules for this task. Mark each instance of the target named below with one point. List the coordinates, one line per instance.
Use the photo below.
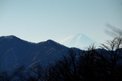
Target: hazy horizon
(39, 20)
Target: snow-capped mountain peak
(80, 41)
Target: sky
(39, 20)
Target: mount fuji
(79, 41)
(15, 52)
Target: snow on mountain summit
(79, 41)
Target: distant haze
(79, 41)
(39, 20)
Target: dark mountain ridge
(15, 52)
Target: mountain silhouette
(15, 52)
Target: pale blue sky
(38, 20)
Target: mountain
(15, 52)
(80, 41)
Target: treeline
(103, 64)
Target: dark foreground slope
(50, 61)
(15, 52)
